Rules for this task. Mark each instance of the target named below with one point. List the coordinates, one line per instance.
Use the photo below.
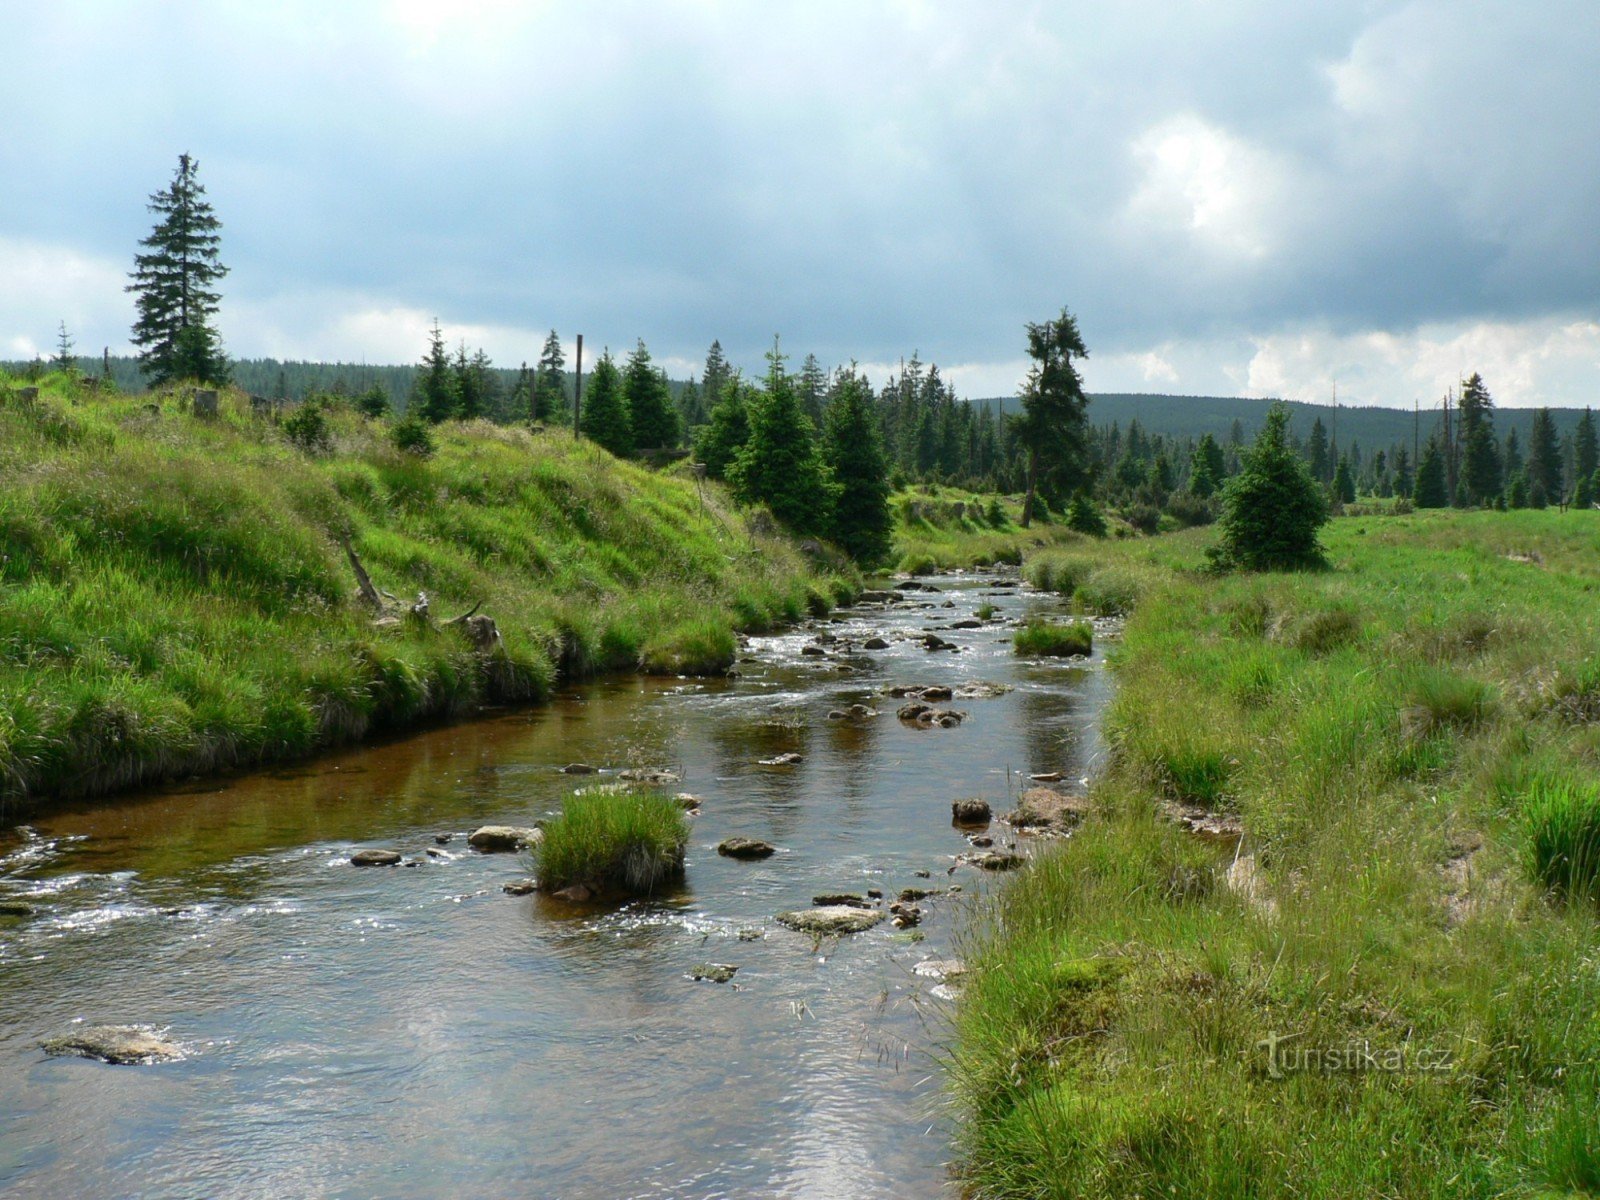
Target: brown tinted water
(415, 1031)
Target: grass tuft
(1561, 832)
(613, 840)
(1049, 638)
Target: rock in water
(16, 908)
(499, 839)
(970, 812)
(781, 760)
(832, 918)
(519, 887)
(743, 847)
(714, 972)
(375, 858)
(875, 643)
(830, 899)
(577, 769)
(123, 1044)
(994, 860)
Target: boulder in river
(16, 908)
(875, 643)
(912, 894)
(688, 800)
(375, 858)
(971, 811)
(655, 776)
(905, 914)
(501, 839)
(577, 769)
(831, 918)
(811, 651)
(122, 1044)
(520, 887)
(967, 623)
(714, 972)
(828, 899)
(981, 689)
(743, 847)
(577, 893)
(940, 968)
(782, 760)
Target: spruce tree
(1402, 473)
(549, 384)
(605, 412)
(1273, 508)
(1480, 465)
(1432, 487)
(716, 375)
(434, 397)
(1053, 423)
(1344, 481)
(722, 437)
(778, 465)
(652, 418)
(64, 360)
(1544, 461)
(173, 281)
(862, 523)
(812, 387)
(1585, 447)
(1205, 467)
(1317, 453)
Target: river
(417, 1032)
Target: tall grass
(613, 840)
(174, 598)
(1402, 739)
(1053, 638)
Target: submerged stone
(714, 972)
(16, 908)
(120, 1044)
(375, 858)
(743, 847)
(828, 899)
(832, 918)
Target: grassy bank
(174, 598)
(943, 528)
(1389, 988)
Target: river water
(415, 1031)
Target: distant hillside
(1192, 416)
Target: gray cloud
(865, 179)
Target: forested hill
(1191, 416)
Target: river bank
(178, 598)
(1302, 947)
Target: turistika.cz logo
(1286, 1056)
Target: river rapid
(417, 1032)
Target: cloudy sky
(1233, 196)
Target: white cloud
(47, 283)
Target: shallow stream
(416, 1031)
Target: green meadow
(175, 597)
(1389, 986)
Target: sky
(1233, 197)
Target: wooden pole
(577, 391)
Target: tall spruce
(812, 387)
(716, 375)
(1317, 453)
(1480, 476)
(605, 409)
(853, 453)
(549, 383)
(652, 417)
(1206, 467)
(1273, 508)
(1544, 461)
(719, 440)
(1053, 424)
(1585, 447)
(1344, 481)
(1433, 487)
(174, 280)
(779, 465)
(434, 395)
(64, 359)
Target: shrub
(613, 840)
(412, 436)
(918, 564)
(1561, 837)
(1189, 510)
(307, 428)
(1040, 637)
(1146, 518)
(1084, 517)
(1272, 509)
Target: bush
(1040, 637)
(412, 436)
(613, 840)
(918, 564)
(1561, 838)
(1084, 517)
(1189, 510)
(307, 428)
(1146, 518)
(1272, 509)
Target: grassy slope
(945, 528)
(1378, 728)
(173, 598)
